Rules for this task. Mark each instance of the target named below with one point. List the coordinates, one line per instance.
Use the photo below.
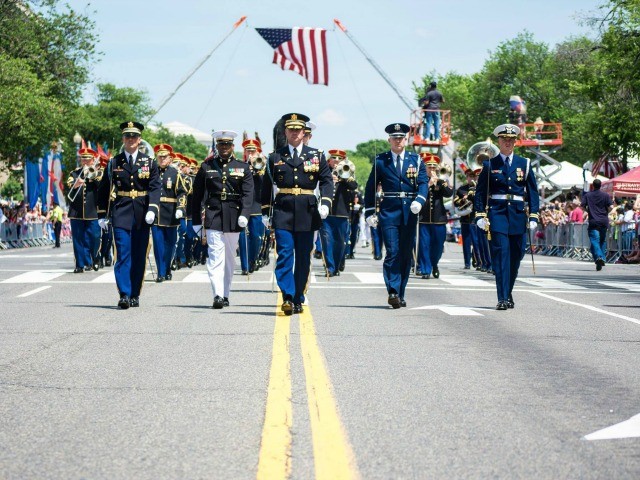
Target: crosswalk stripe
(197, 277)
(35, 276)
(108, 277)
(465, 281)
(369, 277)
(550, 283)
(633, 287)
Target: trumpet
(258, 163)
(345, 169)
(89, 172)
(444, 172)
(464, 206)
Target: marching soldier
(335, 228)
(403, 181)
(182, 246)
(83, 211)
(354, 225)
(252, 237)
(505, 183)
(223, 189)
(463, 202)
(129, 198)
(173, 202)
(295, 212)
(433, 220)
(105, 253)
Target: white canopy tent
(568, 176)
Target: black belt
(224, 195)
(399, 194)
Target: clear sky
(153, 45)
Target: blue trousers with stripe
(131, 258)
(164, 246)
(430, 246)
(253, 242)
(399, 241)
(506, 253)
(294, 263)
(334, 235)
(85, 235)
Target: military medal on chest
(519, 174)
(169, 183)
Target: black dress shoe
(123, 303)
(402, 302)
(467, 267)
(418, 273)
(101, 264)
(394, 300)
(96, 267)
(218, 302)
(341, 267)
(317, 255)
(244, 272)
(134, 302)
(501, 306)
(168, 276)
(78, 270)
(377, 257)
(436, 272)
(159, 279)
(426, 276)
(225, 301)
(287, 307)
(297, 308)
(87, 268)
(107, 263)
(510, 303)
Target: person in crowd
(56, 217)
(404, 189)
(597, 204)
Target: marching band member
(354, 225)
(463, 202)
(506, 181)
(173, 202)
(251, 238)
(129, 198)
(335, 228)
(404, 191)
(223, 189)
(295, 212)
(433, 219)
(183, 243)
(83, 211)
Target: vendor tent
(625, 185)
(568, 176)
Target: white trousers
(221, 261)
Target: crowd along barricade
(572, 241)
(24, 235)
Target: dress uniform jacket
(295, 207)
(433, 210)
(85, 204)
(134, 190)
(463, 203)
(225, 191)
(188, 185)
(507, 214)
(258, 180)
(395, 210)
(343, 196)
(173, 197)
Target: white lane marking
(196, 277)
(369, 277)
(34, 291)
(465, 281)
(108, 277)
(551, 283)
(36, 276)
(454, 310)
(588, 307)
(633, 287)
(627, 429)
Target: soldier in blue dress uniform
(251, 238)
(404, 181)
(506, 183)
(129, 198)
(433, 219)
(334, 233)
(83, 211)
(295, 212)
(173, 203)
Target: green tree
(12, 189)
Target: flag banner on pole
(607, 165)
(302, 50)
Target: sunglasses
(225, 144)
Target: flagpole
(374, 65)
(196, 68)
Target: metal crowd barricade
(15, 235)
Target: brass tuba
(480, 152)
(345, 169)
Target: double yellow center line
(333, 456)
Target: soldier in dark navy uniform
(252, 237)
(129, 198)
(354, 225)
(83, 211)
(335, 228)
(506, 182)
(433, 219)
(223, 188)
(173, 203)
(295, 212)
(182, 245)
(463, 202)
(403, 181)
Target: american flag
(607, 165)
(303, 50)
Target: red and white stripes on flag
(607, 165)
(300, 49)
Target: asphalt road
(445, 388)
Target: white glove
(179, 214)
(532, 225)
(266, 222)
(323, 210)
(372, 221)
(150, 217)
(242, 221)
(197, 228)
(104, 223)
(482, 223)
(415, 207)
